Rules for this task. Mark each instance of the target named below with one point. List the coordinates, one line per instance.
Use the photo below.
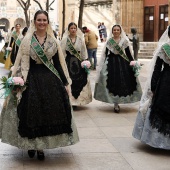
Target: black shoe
(117, 110)
(40, 155)
(31, 153)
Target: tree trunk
(27, 18)
(63, 26)
(47, 5)
(81, 14)
(25, 6)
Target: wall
(132, 16)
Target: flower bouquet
(11, 85)
(86, 65)
(136, 66)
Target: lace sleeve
(128, 53)
(11, 42)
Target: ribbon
(86, 69)
(136, 69)
(8, 86)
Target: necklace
(41, 40)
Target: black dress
(14, 50)
(44, 109)
(120, 79)
(117, 82)
(77, 74)
(160, 108)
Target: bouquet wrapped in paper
(86, 65)
(11, 84)
(136, 66)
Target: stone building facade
(11, 13)
(151, 18)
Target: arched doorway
(21, 22)
(4, 24)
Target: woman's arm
(128, 53)
(58, 67)
(156, 74)
(11, 42)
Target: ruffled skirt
(144, 132)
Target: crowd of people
(56, 83)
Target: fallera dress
(80, 87)
(43, 118)
(116, 81)
(153, 126)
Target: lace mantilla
(123, 43)
(79, 46)
(50, 49)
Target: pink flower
(9, 48)
(133, 63)
(18, 81)
(85, 63)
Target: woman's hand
(14, 91)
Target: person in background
(100, 31)
(11, 55)
(91, 43)
(75, 52)
(104, 32)
(116, 81)
(135, 43)
(1, 37)
(42, 118)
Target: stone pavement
(106, 142)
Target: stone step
(146, 50)
(145, 57)
(148, 44)
(146, 54)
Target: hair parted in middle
(70, 24)
(41, 12)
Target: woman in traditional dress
(43, 117)
(74, 50)
(11, 55)
(116, 82)
(153, 120)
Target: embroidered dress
(43, 118)
(80, 87)
(153, 126)
(116, 82)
